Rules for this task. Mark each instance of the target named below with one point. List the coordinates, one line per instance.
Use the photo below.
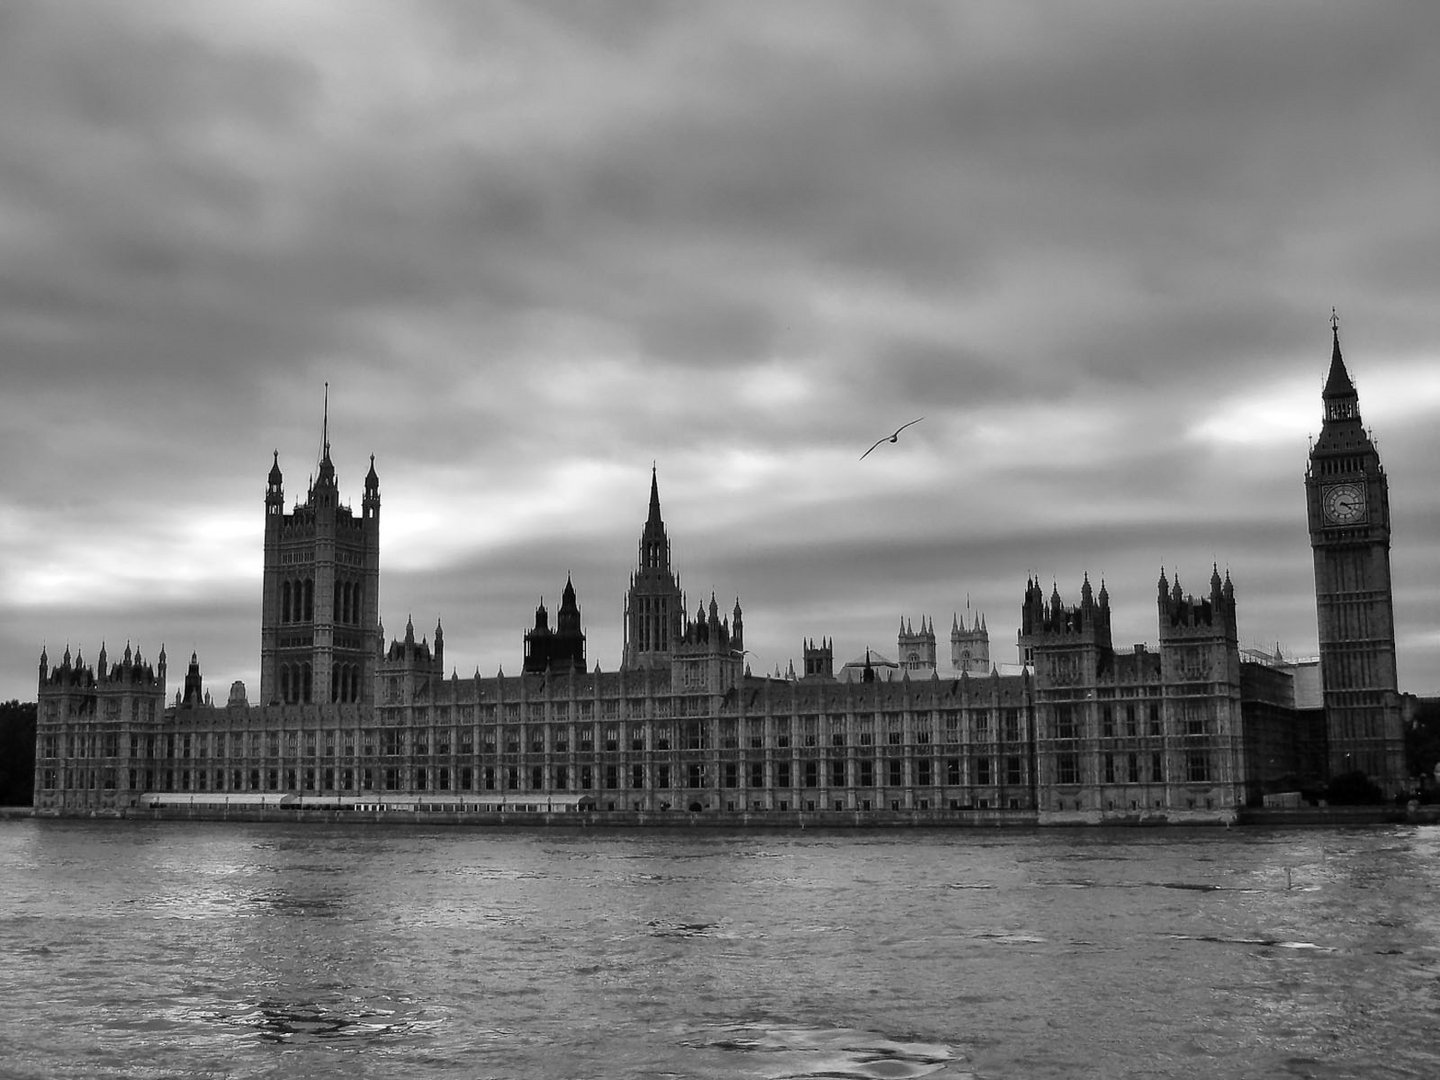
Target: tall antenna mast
(325, 424)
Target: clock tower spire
(1348, 505)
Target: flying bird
(891, 438)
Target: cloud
(535, 247)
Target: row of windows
(1006, 722)
(297, 683)
(864, 773)
(297, 601)
(1126, 768)
(393, 742)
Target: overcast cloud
(534, 248)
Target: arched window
(309, 601)
(284, 682)
(306, 680)
(285, 601)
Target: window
(1065, 722)
(837, 774)
(952, 770)
(1109, 768)
(867, 774)
(1157, 767)
(982, 771)
(1014, 770)
(782, 775)
(1067, 769)
(1133, 768)
(732, 774)
(757, 774)
(897, 773)
(1107, 721)
(812, 774)
(924, 775)
(1197, 766)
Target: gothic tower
(654, 606)
(560, 649)
(917, 651)
(320, 605)
(1348, 504)
(970, 644)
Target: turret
(819, 660)
(194, 690)
(370, 507)
(275, 489)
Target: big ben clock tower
(1348, 504)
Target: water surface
(190, 950)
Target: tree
(1353, 789)
(17, 753)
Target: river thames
(207, 950)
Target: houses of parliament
(1074, 731)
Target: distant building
(1348, 506)
(681, 725)
(1077, 731)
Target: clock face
(1344, 504)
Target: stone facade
(1085, 734)
(1348, 506)
(1076, 732)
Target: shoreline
(763, 820)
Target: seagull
(891, 438)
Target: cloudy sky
(535, 248)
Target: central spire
(1341, 401)
(654, 544)
(654, 498)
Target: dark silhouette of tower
(654, 606)
(560, 649)
(1348, 505)
(819, 659)
(320, 606)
